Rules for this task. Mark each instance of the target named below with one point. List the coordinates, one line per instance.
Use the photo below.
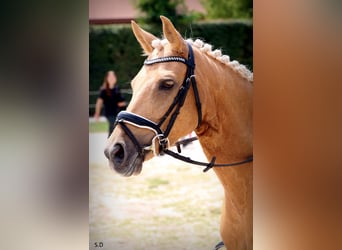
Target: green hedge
(115, 47)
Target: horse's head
(145, 128)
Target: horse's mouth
(133, 166)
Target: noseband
(160, 142)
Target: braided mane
(216, 54)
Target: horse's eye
(166, 84)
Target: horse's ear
(172, 35)
(144, 38)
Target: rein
(161, 148)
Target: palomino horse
(218, 107)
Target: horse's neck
(226, 131)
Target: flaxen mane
(216, 54)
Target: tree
(228, 8)
(175, 10)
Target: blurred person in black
(111, 98)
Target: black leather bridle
(160, 148)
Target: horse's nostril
(118, 153)
(106, 152)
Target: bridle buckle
(158, 148)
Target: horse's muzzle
(123, 158)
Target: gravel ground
(170, 205)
